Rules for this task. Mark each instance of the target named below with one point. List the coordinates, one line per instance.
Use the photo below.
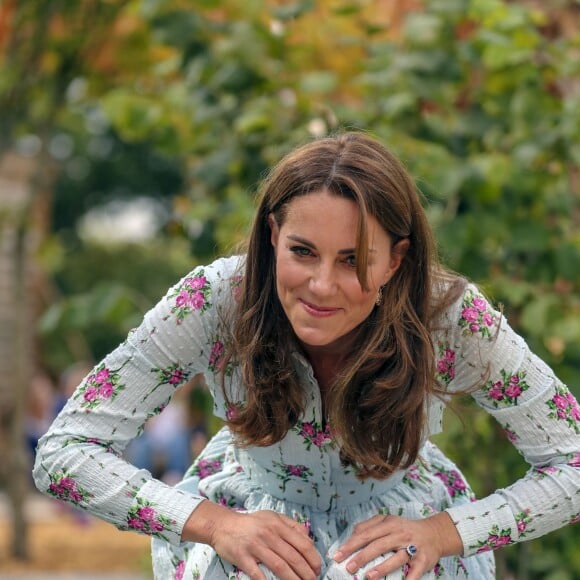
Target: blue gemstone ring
(411, 550)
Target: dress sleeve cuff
(484, 525)
(161, 511)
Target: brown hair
(376, 407)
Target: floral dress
(80, 459)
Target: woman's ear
(398, 253)
(274, 230)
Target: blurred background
(132, 137)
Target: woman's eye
(300, 251)
(351, 260)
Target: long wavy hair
(377, 405)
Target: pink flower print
(563, 406)
(488, 319)
(574, 461)
(320, 439)
(287, 472)
(312, 433)
(511, 435)
(506, 391)
(102, 385)
(196, 283)
(192, 295)
(144, 518)
(406, 569)
(542, 472)
(476, 315)
(459, 484)
(173, 375)
(136, 524)
(235, 284)
(503, 540)
(524, 520)
(216, 356)
(179, 570)
(197, 300)
(575, 519)
(176, 377)
(182, 298)
(65, 487)
(146, 513)
(106, 390)
(90, 394)
(470, 314)
(205, 467)
(232, 411)
(454, 482)
(496, 391)
(67, 483)
(446, 363)
(513, 390)
(495, 539)
(102, 376)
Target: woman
(330, 350)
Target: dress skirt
(432, 484)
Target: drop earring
(379, 296)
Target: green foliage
(474, 100)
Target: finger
(382, 546)
(303, 544)
(251, 568)
(281, 566)
(363, 534)
(371, 522)
(391, 563)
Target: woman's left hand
(433, 537)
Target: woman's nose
(322, 281)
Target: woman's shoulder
(462, 305)
(216, 276)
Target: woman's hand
(434, 537)
(248, 539)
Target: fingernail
(352, 567)
(372, 575)
(338, 556)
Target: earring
(379, 296)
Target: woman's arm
(540, 417)
(80, 459)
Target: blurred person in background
(331, 348)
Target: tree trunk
(16, 334)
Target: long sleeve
(79, 460)
(538, 413)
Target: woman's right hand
(246, 540)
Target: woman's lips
(320, 311)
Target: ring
(411, 550)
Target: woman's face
(316, 271)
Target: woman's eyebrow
(309, 244)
